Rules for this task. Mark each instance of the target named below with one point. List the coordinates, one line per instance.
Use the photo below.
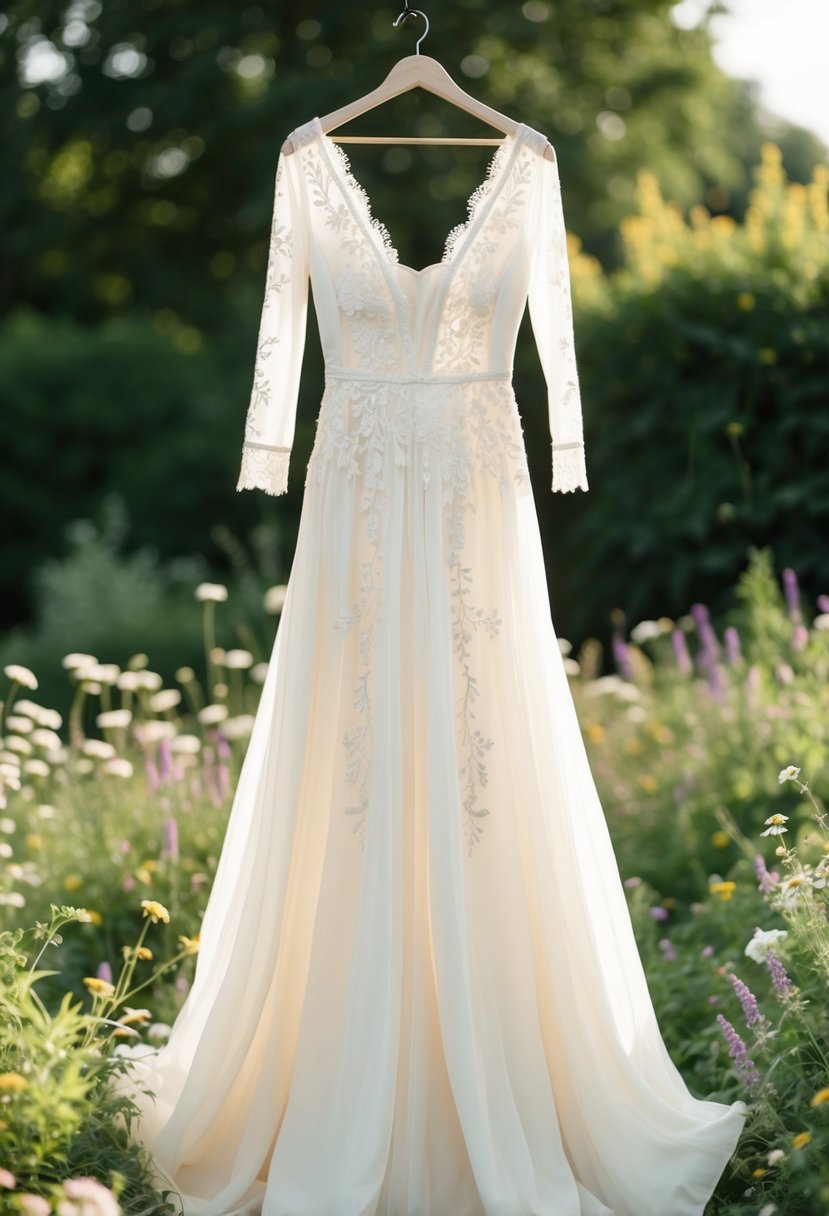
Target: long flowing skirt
(418, 991)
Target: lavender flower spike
(748, 1001)
(683, 658)
(732, 645)
(739, 1054)
(779, 978)
(792, 592)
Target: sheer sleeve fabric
(271, 415)
(551, 314)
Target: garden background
(140, 593)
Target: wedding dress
(418, 991)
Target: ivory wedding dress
(418, 991)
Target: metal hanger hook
(413, 12)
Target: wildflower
(185, 675)
(159, 1030)
(12, 1082)
(658, 913)
(775, 1155)
(238, 660)
(211, 715)
(720, 840)
(788, 774)
(167, 698)
(779, 978)
(820, 1097)
(707, 951)
(763, 941)
(75, 660)
(143, 953)
(645, 631)
(100, 749)
(156, 911)
(190, 944)
(633, 881)
(211, 593)
(801, 1139)
(98, 987)
(683, 658)
(668, 951)
(759, 1172)
(821, 874)
(129, 681)
(94, 1199)
(748, 1002)
(188, 744)
(130, 1015)
(7, 1179)
(33, 1205)
(117, 766)
(259, 672)
(36, 767)
(238, 727)
(738, 1053)
(765, 878)
(114, 717)
(105, 972)
(732, 645)
(20, 675)
(275, 599)
(775, 825)
(725, 889)
(795, 885)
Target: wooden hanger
(418, 71)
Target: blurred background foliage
(139, 144)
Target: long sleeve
(271, 416)
(551, 314)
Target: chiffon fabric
(418, 991)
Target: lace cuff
(264, 468)
(569, 472)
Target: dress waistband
(356, 373)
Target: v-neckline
(456, 237)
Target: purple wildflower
(732, 645)
(153, 780)
(748, 1001)
(766, 879)
(683, 658)
(705, 629)
(622, 657)
(823, 603)
(739, 1054)
(164, 760)
(800, 636)
(105, 972)
(658, 913)
(792, 592)
(779, 978)
(633, 881)
(707, 951)
(668, 951)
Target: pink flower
(91, 1198)
(7, 1179)
(34, 1205)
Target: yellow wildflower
(143, 953)
(95, 918)
(134, 1015)
(595, 732)
(155, 911)
(745, 301)
(648, 783)
(801, 1139)
(820, 1097)
(190, 944)
(724, 889)
(72, 882)
(758, 1173)
(12, 1082)
(98, 987)
(633, 746)
(33, 840)
(721, 840)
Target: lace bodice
(454, 320)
